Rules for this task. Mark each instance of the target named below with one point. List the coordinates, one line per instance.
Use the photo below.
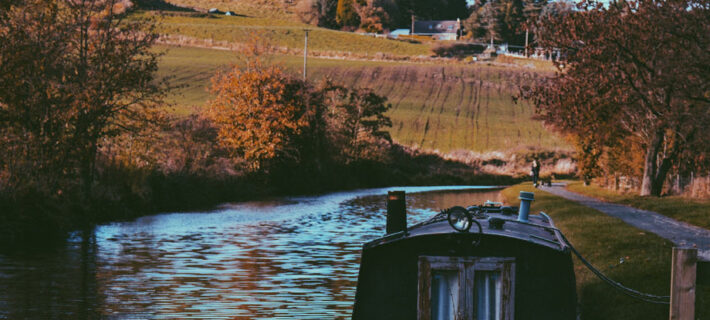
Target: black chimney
(396, 212)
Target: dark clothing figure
(535, 172)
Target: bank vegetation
(86, 137)
(633, 93)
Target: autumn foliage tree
(72, 74)
(346, 13)
(272, 119)
(259, 112)
(373, 17)
(636, 75)
(317, 12)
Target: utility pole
(305, 54)
(526, 42)
(411, 33)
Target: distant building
(437, 29)
(399, 32)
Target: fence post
(683, 272)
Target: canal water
(289, 258)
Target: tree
(346, 15)
(553, 9)
(500, 20)
(72, 74)
(531, 13)
(318, 12)
(259, 111)
(357, 120)
(373, 18)
(512, 20)
(272, 119)
(637, 72)
(536, 12)
(485, 22)
(532, 10)
(401, 11)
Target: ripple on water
(292, 258)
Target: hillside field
(274, 9)
(283, 34)
(443, 107)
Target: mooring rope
(647, 297)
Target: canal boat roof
(539, 229)
(524, 255)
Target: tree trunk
(654, 175)
(87, 165)
(660, 178)
(649, 168)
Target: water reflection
(294, 258)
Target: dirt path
(680, 233)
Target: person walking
(535, 171)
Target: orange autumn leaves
(257, 111)
(268, 117)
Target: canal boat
(478, 262)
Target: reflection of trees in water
(340, 284)
(302, 260)
(443, 200)
(130, 274)
(301, 267)
(56, 282)
(434, 200)
(90, 295)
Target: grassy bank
(29, 218)
(442, 107)
(693, 211)
(604, 240)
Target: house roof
(400, 32)
(435, 27)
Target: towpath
(680, 233)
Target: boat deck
(539, 229)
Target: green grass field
(603, 240)
(444, 107)
(284, 33)
(274, 9)
(696, 212)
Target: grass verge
(695, 212)
(604, 241)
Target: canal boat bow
(477, 262)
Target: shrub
(457, 49)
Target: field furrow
(405, 86)
(444, 107)
(392, 80)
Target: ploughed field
(444, 107)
